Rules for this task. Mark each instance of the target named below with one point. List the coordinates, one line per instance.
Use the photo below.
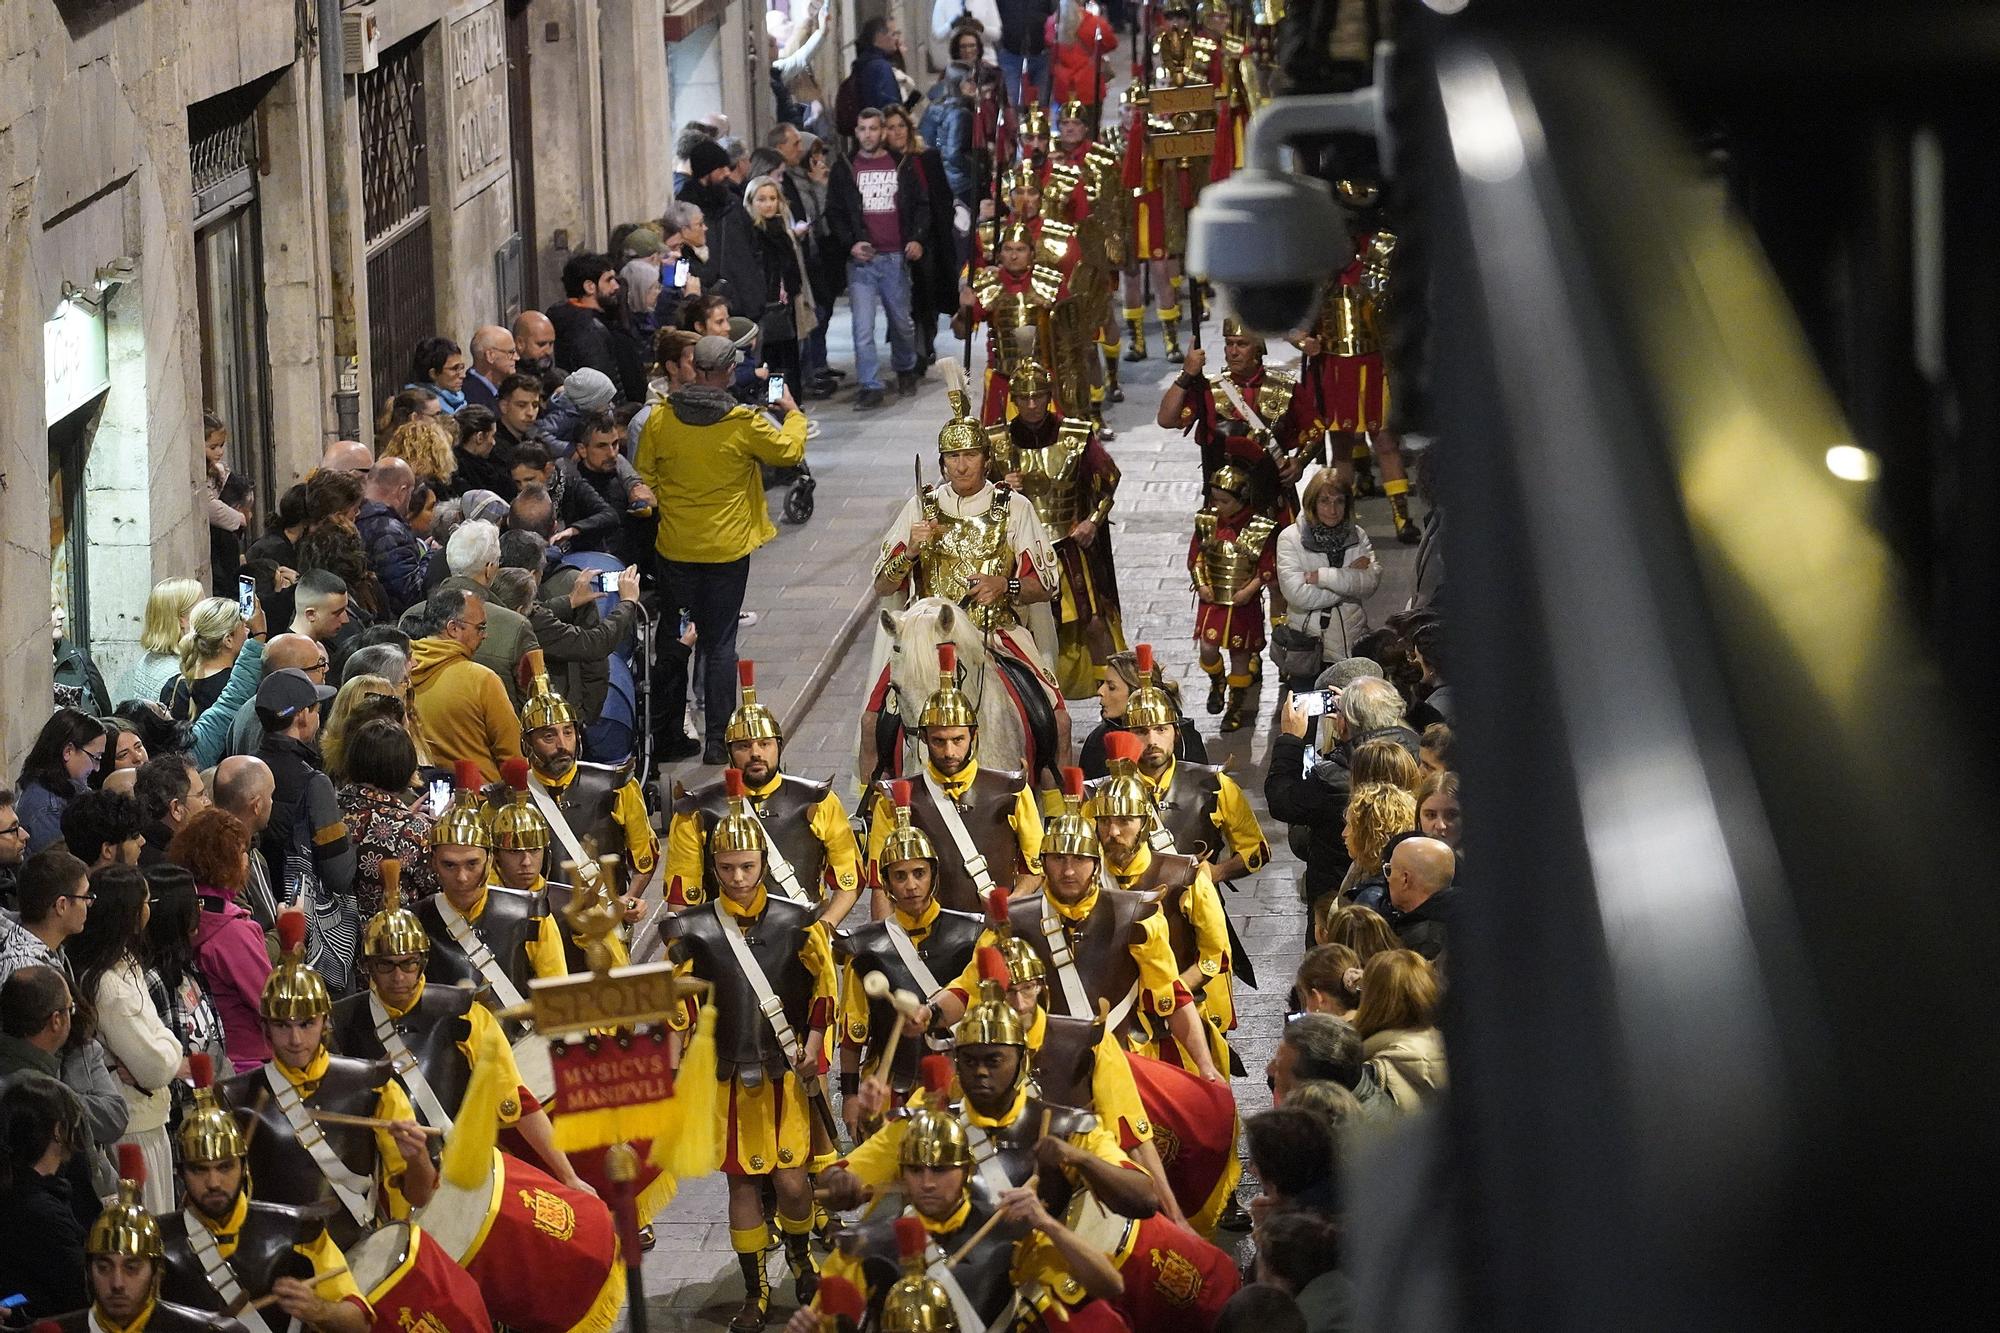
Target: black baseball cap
(283, 693)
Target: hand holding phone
(774, 391)
(1316, 703)
(680, 272)
(440, 795)
(246, 596)
(607, 581)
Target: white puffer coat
(1323, 599)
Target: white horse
(1021, 727)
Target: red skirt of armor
(1174, 1279)
(993, 407)
(550, 1257)
(1354, 391)
(1231, 627)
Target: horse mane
(913, 670)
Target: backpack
(846, 106)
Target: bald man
(243, 786)
(347, 456)
(307, 654)
(493, 359)
(1421, 894)
(395, 553)
(535, 347)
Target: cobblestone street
(811, 644)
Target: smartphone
(246, 595)
(440, 795)
(680, 273)
(607, 581)
(1316, 703)
(776, 390)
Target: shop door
(228, 271)
(396, 215)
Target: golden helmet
(1013, 233)
(293, 991)
(518, 826)
(125, 1229)
(1071, 833)
(1074, 109)
(751, 721)
(905, 841)
(917, 1302)
(962, 434)
(1177, 9)
(208, 1132)
(1030, 376)
(990, 1020)
(543, 706)
(1023, 963)
(934, 1136)
(395, 931)
(1230, 478)
(1233, 327)
(1021, 176)
(463, 823)
(1124, 794)
(1357, 194)
(737, 831)
(948, 705)
(1035, 121)
(1149, 705)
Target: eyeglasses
(79, 897)
(14, 830)
(319, 668)
(407, 966)
(94, 756)
(480, 628)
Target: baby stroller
(798, 482)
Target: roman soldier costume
(1071, 480)
(1017, 307)
(983, 822)
(517, 824)
(771, 980)
(915, 953)
(1252, 423)
(125, 1230)
(813, 856)
(1232, 558)
(593, 810)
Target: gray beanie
(589, 389)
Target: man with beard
(1197, 928)
(912, 948)
(1097, 941)
(224, 1246)
(1248, 416)
(984, 821)
(535, 351)
(814, 858)
(1201, 811)
(1068, 1149)
(124, 1260)
(1060, 464)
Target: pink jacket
(229, 948)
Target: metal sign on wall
(476, 62)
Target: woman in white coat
(1327, 570)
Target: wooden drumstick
(370, 1122)
(905, 1004)
(986, 1226)
(271, 1298)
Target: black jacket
(934, 282)
(843, 206)
(582, 339)
(778, 263)
(581, 507)
(1023, 25)
(1296, 798)
(1091, 757)
(495, 472)
(1427, 926)
(731, 269)
(41, 1244)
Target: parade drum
(545, 1255)
(413, 1285)
(538, 1075)
(1194, 1132)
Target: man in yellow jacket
(460, 707)
(702, 454)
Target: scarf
(1331, 542)
(453, 400)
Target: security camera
(1269, 240)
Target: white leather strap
(408, 1071)
(1076, 1001)
(558, 822)
(221, 1277)
(760, 985)
(777, 864)
(961, 837)
(467, 938)
(906, 950)
(986, 1160)
(1243, 409)
(939, 1271)
(355, 1192)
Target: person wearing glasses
(56, 771)
(461, 706)
(41, 1030)
(53, 897)
(13, 843)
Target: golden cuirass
(1229, 563)
(1007, 312)
(1270, 402)
(1351, 315)
(974, 544)
(1052, 477)
(1181, 57)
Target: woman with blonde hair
(1118, 678)
(1362, 929)
(215, 634)
(1383, 760)
(167, 610)
(1397, 1023)
(424, 442)
(1327, 571)
(1376, 813)
(340, 718)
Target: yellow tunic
(1201, 905)
(1026, 820)
(479, 1019)
(687, 850)
(1037, 1262)
(1151, 951)
(1114, 1096)
(614, 943)
(321, 1252)
(1233, 815)
(642, 845)
(769, 1127)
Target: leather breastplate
(1102, 941)
(1014, 1147)
(946, 948)
(986, 809)
(264, 1253)
(1170, 878)
(284, 1171)
(1066, 1065)
(1188, 812)
(1052, 475)
(986, 1273)
(511, 921)
(1270, 398)
(786, 814)
(743, 1037)
(589, 803)
(432, 1030)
